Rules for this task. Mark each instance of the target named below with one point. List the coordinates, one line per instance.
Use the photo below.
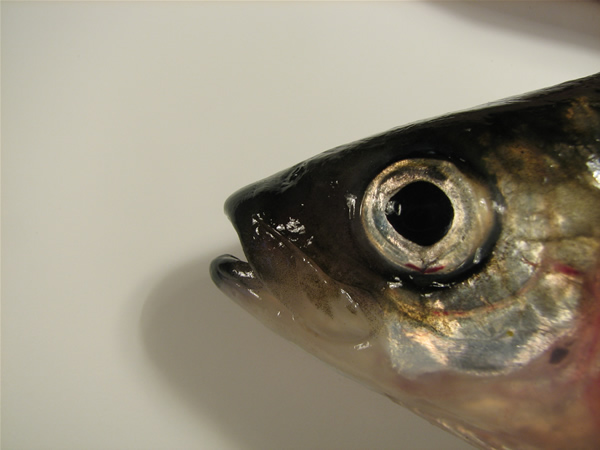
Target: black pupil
(420, 212)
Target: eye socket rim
(470, 235)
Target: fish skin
(500, 347)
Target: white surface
(125, 127)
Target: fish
(452, 265)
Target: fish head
(452, 265)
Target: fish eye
(428, 217)
(421, 212)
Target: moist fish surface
(452, 265)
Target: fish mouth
(232, 274)
(239, 281)
(230, 271)
(283, 288)
(267, 248)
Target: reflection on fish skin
(452, 265)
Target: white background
(125, 127)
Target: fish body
(452, 265)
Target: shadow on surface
(260, 390)
(575, 23)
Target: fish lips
(228, 272)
